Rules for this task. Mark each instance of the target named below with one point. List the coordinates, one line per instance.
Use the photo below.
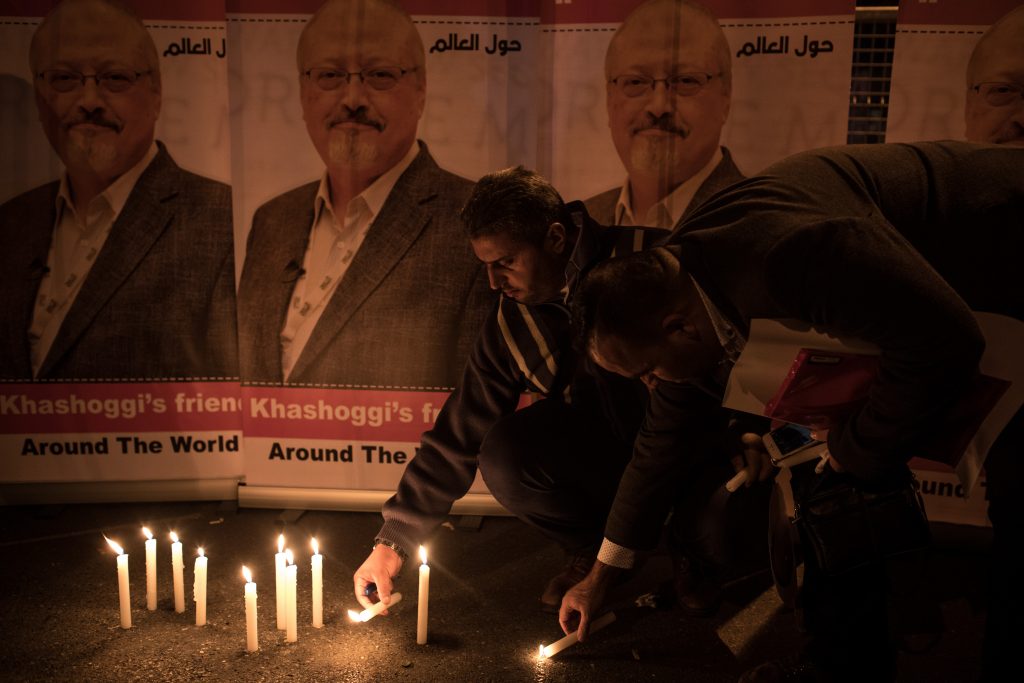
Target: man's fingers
(756, 461)
(566, 617)
(584, 628)
(765, 461)
(384, 587)
(360, 589)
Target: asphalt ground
(59, 610)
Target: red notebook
(823, 386)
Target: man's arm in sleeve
(860, 278)
(683, 429)
(446, 462)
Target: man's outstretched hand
(380, 568)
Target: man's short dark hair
(626, 297)
(514, 202)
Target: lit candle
(377, 608)
(279, 565)
(573, 638)
(290, 578)
(122, 585)
(318, 586)
(150, 569)
(422, 599)
(199, 588)
(178, 572)
(251, 640)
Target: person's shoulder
(203, 195)
(287, 203)
(164, 179)
(30, 202)
(425, 175)
(204, 186)
(601, 206)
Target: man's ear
(677, 326)
(555, 239)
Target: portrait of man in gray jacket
(363, 278)
(122, 268)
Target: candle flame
(174, 537)
(280, 543)
(354, 615)
(540, 652)
(147, 532)
(118, 549)
(202, 553)
(288, 556)
(423, 555)
(316, 546)
(247, 574)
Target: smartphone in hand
(789, 441)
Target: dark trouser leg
(724, 534)
(1004, 630)
(557, 469)
(845, 616)
(845, 619)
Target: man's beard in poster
(90, 148)
(350, 146)
(655, 154)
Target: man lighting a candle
(890, 244)
(556, 463)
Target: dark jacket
(848, 239)
(159, 302)
(522, 348)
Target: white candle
(123, 592)
(422, 599)
(318, 585)
(377, 608)
(738, 480)
(291, 576)
(150, 569)
(279, 565)
(178, 572)
(199, 588)
(252, 642)
(573, 638)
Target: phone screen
(791, 437)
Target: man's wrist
(602, 573)
(399, 550)
(615, 555)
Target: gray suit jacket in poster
(408, 308)
(601, 207)
(159, 301)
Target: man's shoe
(574, 572)
(696, 595)
(790, 670)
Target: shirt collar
(116, 194)
(729, 337)
(670, 209)
(375, 195)
(584, 252)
